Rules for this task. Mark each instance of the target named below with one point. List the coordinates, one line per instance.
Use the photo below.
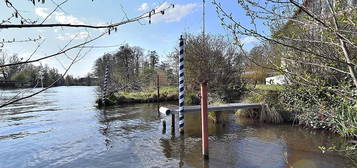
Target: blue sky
(162, 35)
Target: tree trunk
(351, 69)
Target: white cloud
(76, 36)
(58, 16)
(62, 18)
(143, 7)
(42, 12)
(173, 14)
(249, 39)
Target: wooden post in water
(158, 88)
(204, 120)
(163, 126)
(173, 123)
(218, 115)
(158, 94)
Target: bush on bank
(271, 112)
(320, 108)
(317, 108)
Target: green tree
(154, 59)
(215, 59)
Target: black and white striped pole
(105, 85)
(181, 85)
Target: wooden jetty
(204, 109)
(212, 108)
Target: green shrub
(192, 99)
(271, 110)
(322, 108)
(265, 87)
(20, 77)
(229, 92)
(319, 108)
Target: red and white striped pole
(204, 119)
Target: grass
(265, 87)
(268, 95)
(192, 99)
(167, 93)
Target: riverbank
(287, 104)
(268, 95)
(167, 94)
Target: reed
(268, 113)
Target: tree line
(38, 76)
(130, 69)
(214, 57)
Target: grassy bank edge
(167, 94)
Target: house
(276, 80)
(304, 32)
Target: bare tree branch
(55, 54)
(135, 19)
(42, 90)
(54, 10)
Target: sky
(162, 35)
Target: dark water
(62, 128)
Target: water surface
(62, 128)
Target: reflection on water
(62, 128)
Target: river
(62, 128)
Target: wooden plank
(222, 107)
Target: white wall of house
(276, 80)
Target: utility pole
(204, 101)
(203, 18)
(203, 74)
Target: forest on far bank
(30, 75)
